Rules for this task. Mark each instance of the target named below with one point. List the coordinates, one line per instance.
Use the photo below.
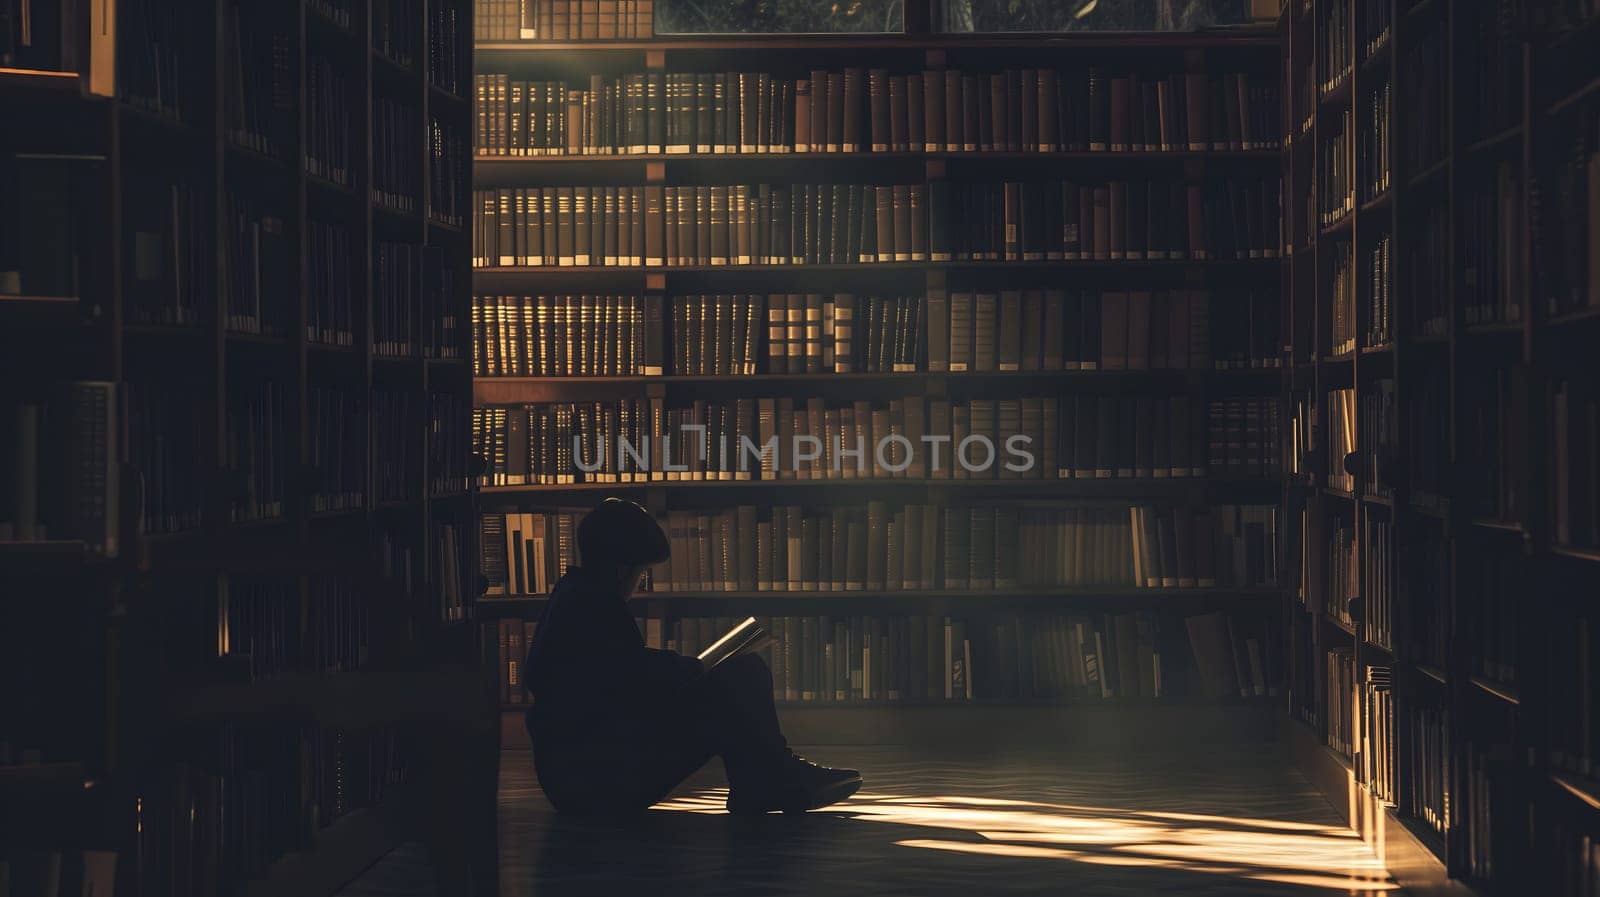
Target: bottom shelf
(1415, 858)
(343, 851)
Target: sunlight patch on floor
(1256, 849)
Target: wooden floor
(1226, 821)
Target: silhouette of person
(617, 725)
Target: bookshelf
(285, 474)
(512, 276)
(1467, 655)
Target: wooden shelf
(1433, 673)
(1501, 140)
(1585, 790)
(1488, 524)
(1575, 96)
(1507, 693)
(1423, 177)
(1590, 555)
(1576, 316)
(23, 81)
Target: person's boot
(796, 786)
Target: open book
(746, 638)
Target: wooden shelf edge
(1585, 790)
(1500, 690)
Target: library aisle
(1231, 820)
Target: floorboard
(1237, 822)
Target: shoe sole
(810, 800)
(827, 796)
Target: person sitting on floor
(616, 725)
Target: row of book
(1343, 302)
(1425, 575)
(396, 157)
(394, 31)
(1567, 243)
(1339, 716)
(548, 20)
(398, 291)
(337, 459)
(330, 298)
(1378, 438)
(327, 121)
(242, 797)
(1427, 434)
(1344, 571)
(1574, 475)
(259, 81)
(924, 658)
(1379, 741)
(62, 469)
(255, 450)
(1342, 437)
(1572, 726)
(813, 333)
(881, 547)
(1338, 42)
(448, 50)
(1423, 71)
(1429, 272)
(171, 255)
(257, 264)
(1491, 430)
(1428, 752)
(448, 164)
(1489, 591)
(451, 564)
(1377, 22)
(448, 446)
(1376, 261)
(263, 631)
(1494, 272)
(164, 439)
(1575, 857)
(1052, 437)
(59, 872)
(859, 110)
(1376, 587)
(795, 224)
(397, 458)
(1336, 195)
(162, 56)
(1491, 91)
(1373, 162)
(1482, 764)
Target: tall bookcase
(271, 260)
(497, 170)
(1454, 691)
